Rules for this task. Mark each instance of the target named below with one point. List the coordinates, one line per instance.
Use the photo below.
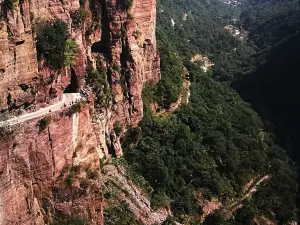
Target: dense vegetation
(272, 88)
(203, 33)
(54, 44)
(97, 79)
(213, 145)
(170, 86)
(217, 143)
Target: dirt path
(67, 100)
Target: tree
(70, 52)
(53, 45)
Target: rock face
(53, 172)
(33, 162)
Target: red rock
(31, 162)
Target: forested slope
(216, 145)
(273, 87)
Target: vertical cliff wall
(49, 166)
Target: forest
(241, 121)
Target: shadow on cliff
(100, 47)
(73, 87)
(274, 91)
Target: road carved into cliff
(68, 99)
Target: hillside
(129, 112)
(217, 146)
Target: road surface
(67, 100)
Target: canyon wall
(49, 166)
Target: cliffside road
(67, 100)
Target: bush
(43, 123)
(96, 78)
(128, 3)
(107, 195)
(82, 2)
(69, 179)
(76, 108)
(118, 128)
(54, 45)
(26, 104)
(79, 16)
(7, 5)
(169, 221)
(119, 215)
(160, 200)
(5, 130)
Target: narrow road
(68, 99)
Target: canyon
(49, 165)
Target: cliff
(50, 164)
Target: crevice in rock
(28, 205)
(73, 86)
(9, 99)
(110, 145)
(15, 60)
(125, 72)
(52, 152)
(22, 14)
(20, 42)
(105, 34)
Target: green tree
(70, 52)
(51, 43)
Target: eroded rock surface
(51, 172)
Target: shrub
(116, 67)
(96, 78)
(119, 215)
(128, 3)
(79, 16)
(43, 123)
(74, 109)
(160, 200)
(70, 178)
(82, 2)
(26, 104)
(169, 221)
(5, 130)
(118, 128)
(107, 195)
(24, 87)
(7, 5)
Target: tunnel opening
(100, 47)
(73, 86)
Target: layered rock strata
(49, 167)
